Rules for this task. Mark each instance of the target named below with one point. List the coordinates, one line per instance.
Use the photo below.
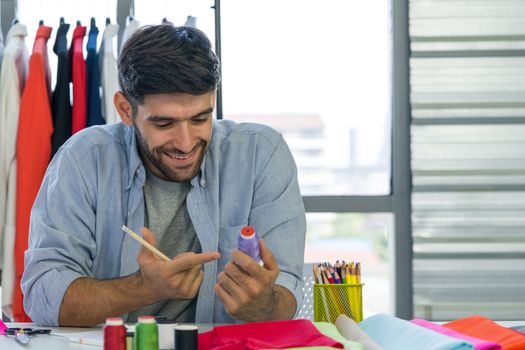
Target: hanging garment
(94, 109)
(132, 26)
(33, 150)
(78, 77)
(1, 48)
(109, 73)
(61, 100)
(12, 81)
(191, 22)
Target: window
(359, 237)
(319, 72)
(305, 68)
(177, 12)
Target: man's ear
(123, 107)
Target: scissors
(22, 334)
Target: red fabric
(265, 335)
(78, 77)
(483, 328)
(33, 151)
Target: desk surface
(56, 342)
(44, 341)
(62, 343)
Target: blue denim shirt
(94, 185)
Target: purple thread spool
(248, 243)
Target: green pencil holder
(332, 300)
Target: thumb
(267, 257)
(146, 254)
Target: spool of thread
(248, 243)
(146, 334)
(114, 334)
(186, 337)
(165, 325)
(129, 340)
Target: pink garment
(3, 328)
(265, 335)
(479, 344)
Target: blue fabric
(94, 185)
(94, 104)
(396, 334)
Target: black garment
(61, 101)
(94, 106)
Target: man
(193, 181)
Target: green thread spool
(146, 334)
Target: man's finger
(235, 272)
(228, 301)
(267, 257)
(148, 235)
(150, 238)
(246, 263)
(188, 261)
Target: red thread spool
(114, 334)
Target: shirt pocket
(228, 241)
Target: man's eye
(163, 126)
(200, 120)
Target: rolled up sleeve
(61, 240)
(278, 213)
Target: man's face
(174, 131)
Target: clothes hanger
(62, 21)
(41, 22)
(92, 22)
(78, 23)
(108, 20)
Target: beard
(175, 174)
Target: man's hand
(176, 279)
(248, 291)
(88, 301)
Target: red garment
(265, 335)
(78, 77)
(33, 151)
(483, 328)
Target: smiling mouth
(182, 156)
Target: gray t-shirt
(167, 217)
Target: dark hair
(164, 59)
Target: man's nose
(183, 137)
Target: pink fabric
(479, 344)
(265, 335)
(3, 328)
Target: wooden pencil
(145, 243)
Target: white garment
(109, 73)
(13, 76)
(1, 47)
(191, 22)
(132, 26)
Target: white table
(54, 342)
(44, 341)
